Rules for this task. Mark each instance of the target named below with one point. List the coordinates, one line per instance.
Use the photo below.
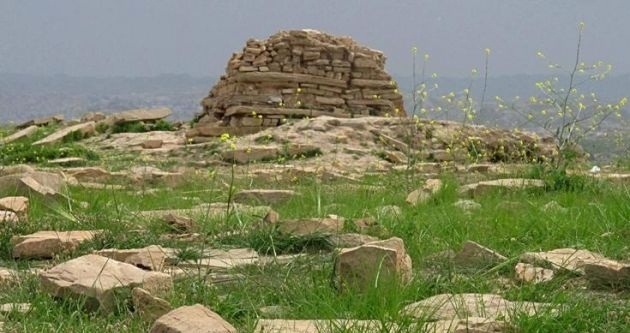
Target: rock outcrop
(297, 74)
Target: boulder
(98, 280)
(85, 129)
(150, 258)
(148, 306)
(482, 187)
(421, 195)
(47, 244)
(364, 266)
(607, 273)
(191, 319)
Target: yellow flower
(298, 90)
(487, 51)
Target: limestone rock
(263, 196)
(351, 240)
(7, 275)
(462, 306)
(149, 306)
(565, 258)
(24, 133)
(304, 227)
(98, 278)
(319, 326)
(178, 222)
(152, 144)
(363, 266)
(506, 184)
(467, 205)
(192, 319)
(42, 121)
(250, 154)
(44, 184)
(150, 258)
(221, 260)
(18, 205)
(85, 129)
(90, 174)
(46, 244)
(532, 274)
(141, 115)
(430, 188)
(473, 254)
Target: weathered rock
(421, 195)
(24, 133)
(466, 325)
(147, 174)
(565, 258)
(304, 227)
(607, 273)
(250, 154)
(320, 326)
(141, 115)
(43, 121)
(532, 274)
(98, 279)
(7, 216)
(85, 129)
(47, 244)
(44, 184)
(192, 319)
(351, 240)
(150, 258)
(148, 306)
(90, 174)
(7, 275)
(221, 260)
(505, 184)
(66, 161)
(462, 306)
(473, 254)
(178, 222)
(19, 205)
(15, 307)
(152, 144)
(15, 169)
(363, 266)
(263, 196)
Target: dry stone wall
(298, 74)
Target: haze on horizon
(147, 38)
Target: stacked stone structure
(297, 74)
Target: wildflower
(298, 90)
(540, 55)
(487, 51)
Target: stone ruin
(297, 74)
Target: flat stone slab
(84, 128)
(192, 319)
(141, 115)
(317, 326)
(97, 278)
(607, 273)
(7, 275)
(264, 196)
(482, 187)
(24, 133)
(151, 257)
(474, 254)
(223, 259)
(462, 306)
(67, 161)
(212, 210)
(532, 274)
(565, 258)
(46, 244)
(311, 226)
(42, 121)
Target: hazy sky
(152, 37)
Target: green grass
(597, 218)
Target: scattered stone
(467, 205)
(90, 174)
(141, 115)
(152, 144)
(271, 218)
(24, 133)
(66, 161)
(532, 274)
(15, 169)
(462, 306)
(606, 273)
(7, 216)
(85, 129)
(93, 116)
(47, 244)
(178, 222)
(303, 227)
(43, 121)
(7, 276)
(362, 267)
(430, 188)
(250, 154)
(98, 278)
(351, 240)
(192, 319)
(466, 325)
(150, 258)
(148, 306)
(265, 197)
(45, 184)
(482, 187)
(473, 254)
(566, 258)
(396, 157)
(222, 260)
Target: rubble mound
(297, 74)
